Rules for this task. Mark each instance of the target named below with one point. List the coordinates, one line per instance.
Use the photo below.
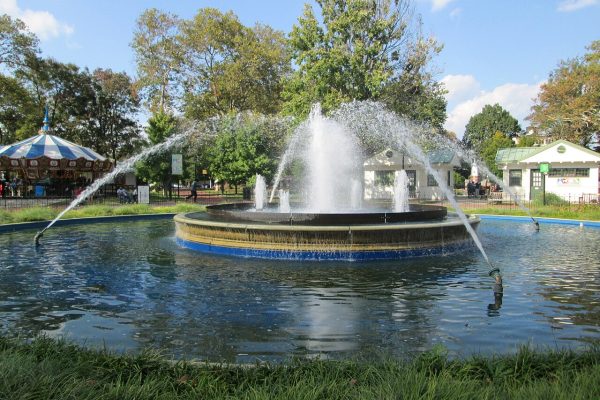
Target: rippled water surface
(128, 286)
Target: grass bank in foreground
(48, 213)
(48, 369)
(590, 212)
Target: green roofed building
(380, 172)
(572, 171)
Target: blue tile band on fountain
(238, 230)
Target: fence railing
(27, 196)
(24, 196)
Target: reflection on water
(129, 286)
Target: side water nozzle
(36, 238)
(498, 288)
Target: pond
(128, 286)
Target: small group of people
(125, 196)
(10, 187)
(474, 189)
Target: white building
(573, 171)
(380, 172)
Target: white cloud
(516, 98)
(437, 5)
(573, 5)
(42, 23)
(460, 87)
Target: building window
(448, 180)
(569, 172)
(384, 178)
(431, 180)
(514, 177)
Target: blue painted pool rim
(121, 218)
(83, 221)
(542, 220)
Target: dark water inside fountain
(128, 286)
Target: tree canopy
(209, 65)
(568, 105)
(16, 42)
(246, 145)
(363, 50)
(482, 126)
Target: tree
(228, 67)
(16, 43)
(157, 168)
(16, 107)
(246, 145)
(490, 148)
(414, 93)
(158, 57)
(482, 127)
(568, 105)
(362, 50)
(112, 118)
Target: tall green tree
(228, 67)
(568, 104)
(16, 107)
(482, 126)
(16, 43)
(246, 145)
(67, 90)
(112, 119)
(361, 50)
(491, 146)
(158, 58)
(157, 168)
(210, 64)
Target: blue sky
(495, 51)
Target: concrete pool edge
(21, 226)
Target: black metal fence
(24, 196)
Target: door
(535, 187)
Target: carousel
(46, 165)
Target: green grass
(584, 212)
(48, 369)
(48, 213)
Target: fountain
(401, 192)
(330, 222)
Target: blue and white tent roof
(49, 146)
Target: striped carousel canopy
(49, 151)
(51, 147)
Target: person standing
(193, 191)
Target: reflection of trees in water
(77, 270)
(306, 308)
(575, 293)
(568, 271)
(191, 304)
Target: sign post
(544, 169)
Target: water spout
(121, 168)
(284, 201)
(401, 183)
(260, 192)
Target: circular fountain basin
(234, 230)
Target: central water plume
(333, 159)
(401, 183)
(260, 192)
(379, 127)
